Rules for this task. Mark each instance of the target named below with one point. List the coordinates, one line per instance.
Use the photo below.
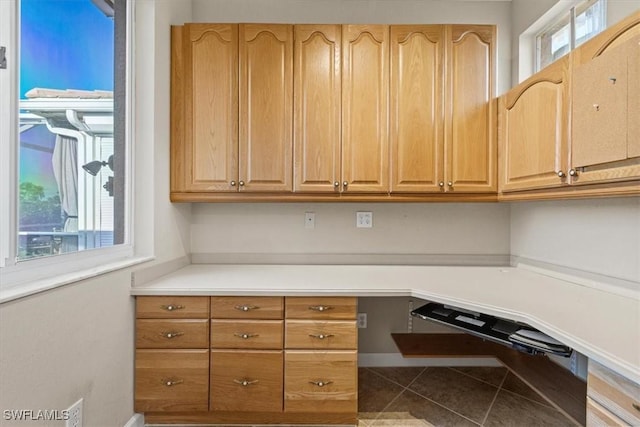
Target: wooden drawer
(336, 308)
(597, 416)
(246, 381)
(172, 333)
(246, 307)
(168, 307)
(614, 393)
(321, 334)
(171, 380)
(321, 381)
(246, 334)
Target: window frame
(19, 279)
(566, 17)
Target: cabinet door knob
(245, 336)
(320, 307)
(170, 382)
(232, 183)
(345, 184)
(170, 335)
(241, 183)
(450, 183)
(561, 174)
(613, 80)
(596, 107)
(441, 184)
(171, 307)
(320, 336)
(336, 184)
(573, 172)
(246, 307)
(245, 383)
(321, 383)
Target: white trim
(36, 275)
(379, 360)
(8, 131)
(136, 421)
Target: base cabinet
(612, 400)
(246, 360)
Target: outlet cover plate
(364, 219)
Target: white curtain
(65, 169)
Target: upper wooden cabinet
(365, 81)
(204, 107)
(316, 111)
(416, 97)
(605, 144)
(534, 130)
(470, 109)
(266, 100)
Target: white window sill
(22, 290)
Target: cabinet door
(600, 110)
(633, 116)
(317, 90)
(534, 118)
(266, 86)
(171, 380)
(365, 79)
(416, 108)
(210, 107)
(246, 381)
(470, 117)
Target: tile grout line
(484, 420)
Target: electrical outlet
(75, 415)
(364, 219)
(362, 320)
(309, 220)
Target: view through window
(571, 30)
(69, 195)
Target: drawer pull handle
(246, 307)
(170, 335)
(321, 383)
(321, 336)
(172, 307)
(320, 307)
(171, 382)
(636, 406)
(245, 336)
(245, 383)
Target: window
(573, 28)
(62, 129)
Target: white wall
(369, 12)
(78, 340)
(597, 236)
(409, 228)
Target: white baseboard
(136, 421)
(369, 360)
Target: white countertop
(598, 323)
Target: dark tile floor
(465, 396)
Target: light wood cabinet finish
(470, 109)
(172, 333)
(266, 100)
(534, 130)
(210, 106)
(246, 380)
(320, 381)
(614, 394)
(597, 416)
(172, 307)
(321, 335)
(318, 308)
(605, 94)
(317, 108)
(247, 307)
(416, 108)
(246, 334)
(171, 380)
(365, 81)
